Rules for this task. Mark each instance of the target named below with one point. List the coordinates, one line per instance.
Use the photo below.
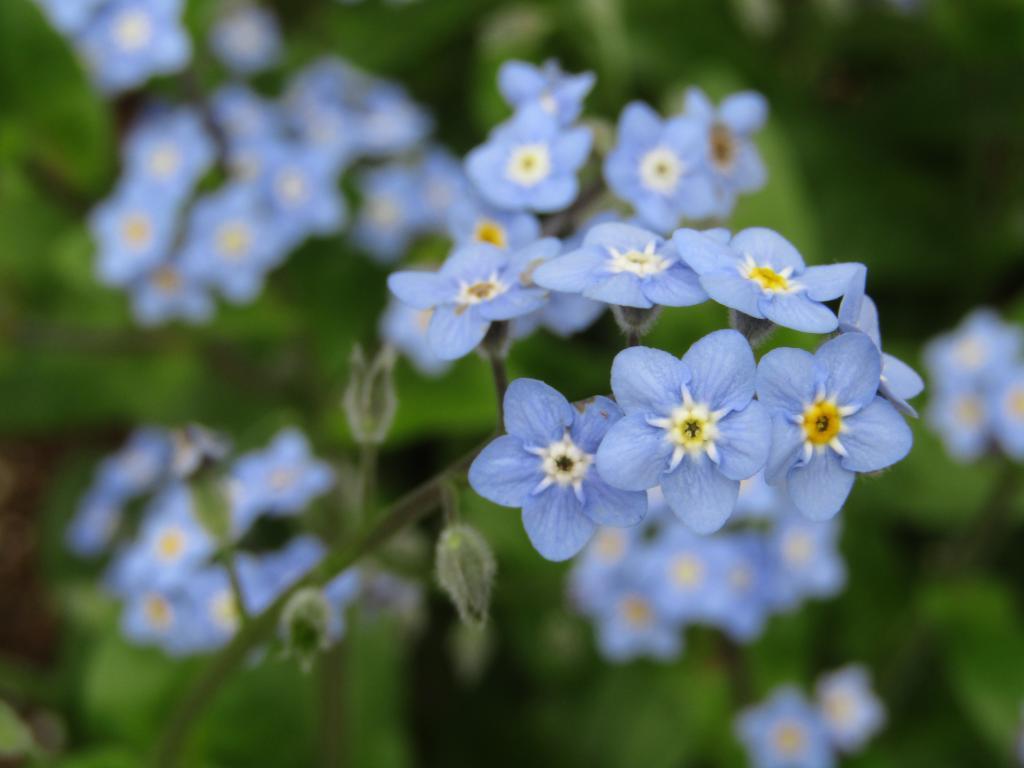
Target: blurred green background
(895, 139)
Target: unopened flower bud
(756, 329)
(635, 321)
(471, 647)
(465, 570)
(212, 504)
(305, 621)
(370, 400)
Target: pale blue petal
(831, 281)
(853, 368)
(453, 333)
(555, 523)
(554, 194)
(744, 112)
(633, 454)
(639, 123)
(647, 380)
(820, 488)
(536, 413)
(505, 472)
(422, 290)
(744, 441)
(787, 444)
(705, 252)
(513, 303)
(599, 413)
(875, 437)
(787, 380)
(854, 315)
(722, 370)
(622, 237)
(572, 147)
(901, 379)
(572, 272)
(768, 247)
(700, 495)
(797, 311)
(606, 505)
(623, 289)
(677, 286)
(729, 289)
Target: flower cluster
(788, 731)
(170, 246)
(169, 567)
(977, 372)
(123, 43)
(643, 586)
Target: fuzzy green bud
(756, 329)
(465, 571)
(304, 622)
(370, 401)
(212, 504)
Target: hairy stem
(416, 504)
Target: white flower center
(797, 548)
(291, 186)
(687, 571)
(564, 464)
(384, 212)
(548, 103)
(971, 352)
(610, 545)
(483, 290)
(789, 738)
(224, 610)
(133, 29)
(158, 611)
(234, 240)
(660, 169)
(691, 428)
(840, 707)
(165, 160)
(529, 164)
(640, 263)
(170, 544)
(137, 230)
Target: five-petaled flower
(828, 422)
(759, 273)
(545, 466)
(691, 425)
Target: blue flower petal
(536, 413)
(572, 147)
(571, 273)
(820, 488)
(606, 505)
(831, 281)
(622, 237)
(745, 438)
(705, 251)
(554, 194)
(590, 427)
(505, 472)
(732, 290)
(768, 247)
(677, 286)
(623, 289)
(853, 368)
(647, 380)
(422, 290)
(454, 332)
(787, 445)
(513, 303)
(555, 523)
(700, 495)
(875, 437)
(633, 454)
(721, 370)
(797, 311)
(787, 380)
(901, 379)
(744, 112)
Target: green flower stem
(407, 510)
(236, 585)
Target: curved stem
(407, 510)
(500, 374)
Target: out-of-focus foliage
(895, 139)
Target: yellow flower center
(137, 230)
(158, 611)
(822, 422)
(133, 29)
(165, 160)
(490, 231)
(233, 240)
(769, 280)
(636, 611)
(968, 411)
(971, 352)
(640, 263)
(170, 544)
(797, 548)
(839, 707)
(610, 545)
(224, 610)
(529, 164)
(789, 738)
(1016, 403)
(281, 479)
(383, 212)
(474, 293)
(166, 280)
(687, 571)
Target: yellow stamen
(822, 422)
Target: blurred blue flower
(547, 86)
(828, 423)
(477, 285)
(392, 211)
(133, 230)
(655, 167)
(1008, 412)
(691, 426)
(852, 712)
(69, 16)
(729, 155)
(544, 466)
(442, 184)
(303, 192)
(243, 114)
(626, 266)
(963, 419)
(405, 327)
(785, 732)
(391, 122)
(332, 131)
(630, 624)
(976, 353)
(137, 468)
(759, 273)
(168, 151)
(246, 38)
(471, 220)
(95, 522)
(168, 293)
(232, 243)
(530, 163)
(806, 560)
(127, 41)
(281, 479)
